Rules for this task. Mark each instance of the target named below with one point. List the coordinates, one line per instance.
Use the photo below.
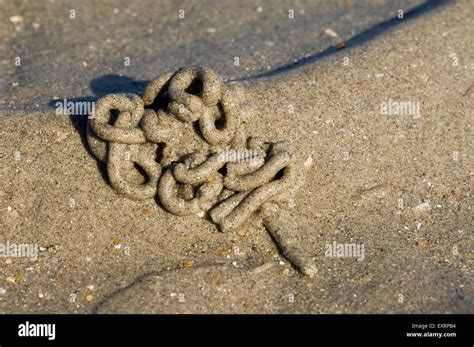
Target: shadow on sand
(123, 84)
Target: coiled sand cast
(183, 134)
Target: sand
(119, 45)
(400, 185)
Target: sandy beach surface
(400, 185)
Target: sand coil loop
(225, 174)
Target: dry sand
(416, 260)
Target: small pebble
(424, 206)
(331, 33)
(72, 203)
(89, 298)
(16, 19)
